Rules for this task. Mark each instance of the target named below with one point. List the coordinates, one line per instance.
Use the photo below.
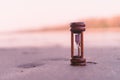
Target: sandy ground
(53, 62)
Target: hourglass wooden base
(78, 61)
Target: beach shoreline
(46, 56)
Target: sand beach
(46, 56)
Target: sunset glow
(24, 14)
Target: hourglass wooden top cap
(77, 27)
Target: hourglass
(77, 55)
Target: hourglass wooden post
(77, 29)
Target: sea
(60, 38)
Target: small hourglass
(77, 29)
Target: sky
(27, 14)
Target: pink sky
(24, 14)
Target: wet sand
(53, 62)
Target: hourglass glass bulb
(77, 39)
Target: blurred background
(36, 23)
